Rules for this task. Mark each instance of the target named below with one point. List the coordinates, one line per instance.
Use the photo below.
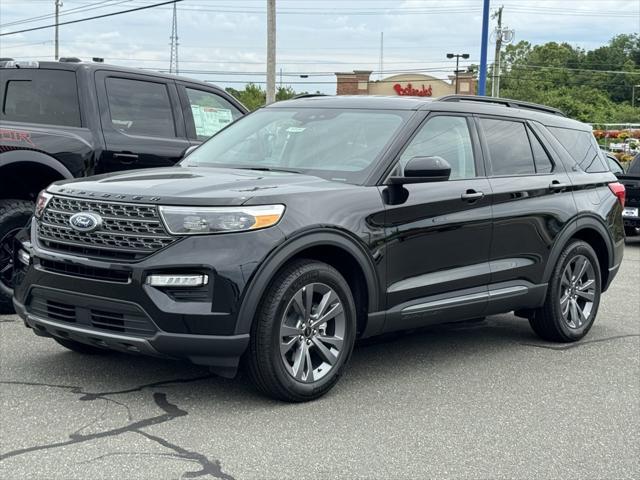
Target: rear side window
(509, 148)
(582, 147)
(540, 155)
(634, 168)
(42, 96)
(140, 108)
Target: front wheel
(14, 216)
(303, 335)
(573, 296)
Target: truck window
(42, 96)
(211, 112)
(141, 108)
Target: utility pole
(271, 51)
(57, 47)
(495, 84)
(173, 59)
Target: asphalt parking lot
(473, 400)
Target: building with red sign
(359, 82)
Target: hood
(192, 186)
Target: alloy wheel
(312, 332)
(577, 291)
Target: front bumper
(108, 304)
(221, 352)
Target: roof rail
(309, 95)
(507, 102)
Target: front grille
(83, 271)
(128, 231)
(115, 317)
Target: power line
(89, 18)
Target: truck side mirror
(423, 170)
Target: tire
(14, 215)
(630, 231)
(571, 304)
(279, 326)
(81, 347)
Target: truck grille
(128, 231)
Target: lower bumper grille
(82, 271)
(112, 317)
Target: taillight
(619, 191)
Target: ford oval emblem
(85, 222)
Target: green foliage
(582, 83)
(254, 97)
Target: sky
(224, 41)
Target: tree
(582, 83)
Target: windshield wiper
(270, 169)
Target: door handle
(557, 186)
(472, 195)
(126, 158)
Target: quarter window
(447, 137)
(51, 98)
(140, 108)
(509, 148)
(582, 147)
(211, 113)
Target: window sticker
(209, 120)
(296, 129)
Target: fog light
(24, 257)
(177, 280)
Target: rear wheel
(14, 215)
(303, 336)
(81, 347)
(573, 296)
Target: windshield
(337, 144)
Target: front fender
(279, 257)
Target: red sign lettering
(16, 136)
(413, 92)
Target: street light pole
(457, 57)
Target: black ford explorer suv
(314, 222)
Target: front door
(142, 122)
(439, 233)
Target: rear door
(532, 202)
(142, 121)
(206, 111)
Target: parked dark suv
(314, 222)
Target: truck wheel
(573, 296)
(81, 347)
(14, 215)
(303, 335)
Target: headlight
(206, 220)
(41, 203)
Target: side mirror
(423, 170)
(189, 150)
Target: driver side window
(447, 137)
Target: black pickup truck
(62, 120)
(631, 182)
